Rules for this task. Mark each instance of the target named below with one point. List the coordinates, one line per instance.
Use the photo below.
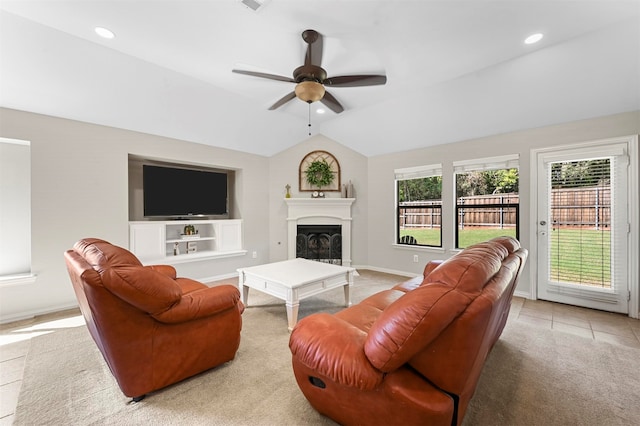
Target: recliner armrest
(201, 303)
(335, 349)
(430, 266)
(167, 270)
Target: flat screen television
(176, 192)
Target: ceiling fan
(311, 78)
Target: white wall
(385, 256)
(79, 187)
(284, 170)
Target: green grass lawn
(581, 256)
(576, 255)
(467, 236)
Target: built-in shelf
(163, 241)
(184, 240)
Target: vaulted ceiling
(455, 69)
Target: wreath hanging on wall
(319, 170)
(319, 173)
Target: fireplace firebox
(322, 243)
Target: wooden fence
(570, 207)
(581, 207)
(490, 211)
(420, 214)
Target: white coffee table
(293, 280)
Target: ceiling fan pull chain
(309, 118)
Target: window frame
(411, 173)
(504, 162)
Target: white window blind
(489, 163)
(418, 172)
(585, 224)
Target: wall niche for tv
(166, 190)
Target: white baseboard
(222, 277)
(523, 294)
(387, 271)
(35, 312)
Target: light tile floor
(612, 328)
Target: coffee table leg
(292, 313)
(347, 289)
(244, 289)
(245, 295)
(347, 295)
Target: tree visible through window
(486, 205)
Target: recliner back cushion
(101, 254)
(146, 289)
(409, 324)
(470, 270)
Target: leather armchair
(152, 328)
(413, 354)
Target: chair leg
(138, 398)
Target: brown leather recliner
(152, 328)
(412, 354)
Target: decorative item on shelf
(288, 188)
(176, 249)
(189, 232)
(192, 247)
(349, 190)
(344, 191)
(317, 194)
(319, 171)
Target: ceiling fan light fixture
(309, 91)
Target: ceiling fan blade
(332, 103)
(265, 75)
(355, 80)
(314, 50)
(286, 98)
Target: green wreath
(319, 173)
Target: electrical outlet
(254, 254)
(415, 258)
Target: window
(15, 211)
(487, 200)
(419, 206)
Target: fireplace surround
(320, 211)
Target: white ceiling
(456, 69)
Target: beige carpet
(532, 377)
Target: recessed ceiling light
(104, 33)
(320, 111)
(533, 38)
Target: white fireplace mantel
(320, 211)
